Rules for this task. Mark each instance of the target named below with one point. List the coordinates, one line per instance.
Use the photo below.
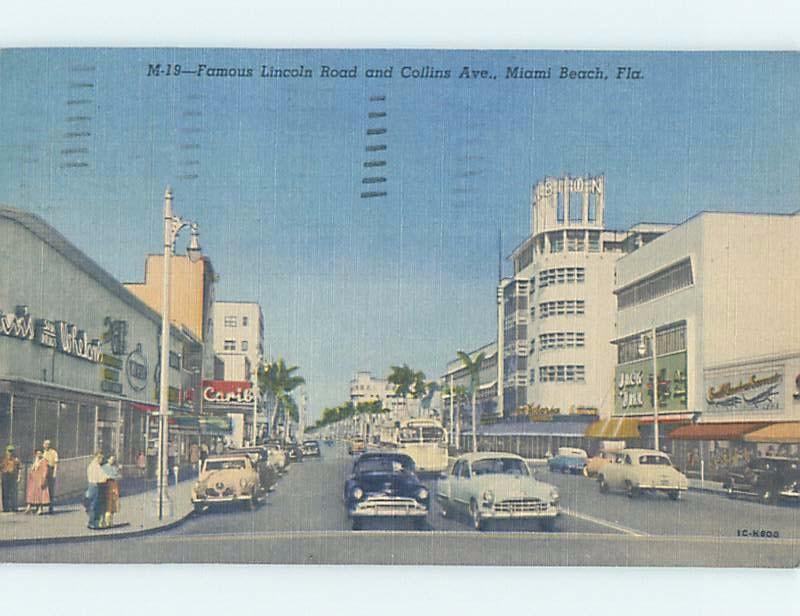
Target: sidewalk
(69, 521)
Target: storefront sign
(60, 335)
(536, 412)
(136, 369)
(228, 392)
(760, 389)
(634, 385)
(116, 335)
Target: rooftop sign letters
(569, 185)
(59, 335)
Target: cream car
(497, 486)
(638, 470)
(227, 478)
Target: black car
(310, 449)
(294, 452)
(769, 479)
(384, 486)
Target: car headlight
(488, 497)
(422, 494)
(357, 493)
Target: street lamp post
(172, 227)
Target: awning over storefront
(788, 432)
(715, 431)
(215, 425)
(572, 429)
(614, 428)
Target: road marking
(600, 522)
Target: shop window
(67, 438)
(46, 422)
(86, 422)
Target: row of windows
(569, 373)
(230, 345)
(232, 321)
(560, 340)
(562, 306)
(573, 207)
(661, 283)
(576, 241)
(561, 275)
(668, 340)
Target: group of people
(40, 487)
(102, 494)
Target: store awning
(788, 432)
(614, 429)
(215, 425)
(715, 431)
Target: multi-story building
(239, 339)
(559, 307)
(457, 379)
(366, 388)
(720, 292)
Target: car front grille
(521, 505)
(388, 503)
(225, 492)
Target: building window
(671, 339)
(244, 321)
(575, 241)
(562, 307)
(592, 214)
(561, 340)
(229, 345)
(594, 241)
(575, 207)
(556, 241)
(569, 373)
(230, 321)
(560, 207)
(673, 278)
(561, 275)
(244, 345)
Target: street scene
(399, 307)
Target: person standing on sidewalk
(111, 500)
(51, 455)
(96, 479)
(9, 468)
(36, 493)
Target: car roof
(487, 455)
(640, 452)
(229, 456)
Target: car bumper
(494, 514)
(389, 508)
(211, 500)
(662, 488)
(789, 494)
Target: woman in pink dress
(37, 493)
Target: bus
(425, 441)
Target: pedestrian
(111, 501)
(9, 468)
(141, 464)
(37, 495)
(51, 455)
(96, 479)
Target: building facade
(559, 306)
(455, 383)
(79, 356)
(366, 388)
(239, 338)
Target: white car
(638, 470)
(497, 486)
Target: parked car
(384, 485)
(227, 478)
(497, 486)
(770, 479)
(267, 473)
(356, 446)
(597, 462)
(638, 470)
(311, 449)
(568, 460)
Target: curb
(5, 543)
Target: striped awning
(725, 431)
(614, 429)
(788, 432)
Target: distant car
(497, 486)
(640, 470)
(770, 479)
(227, 478)
(294, 452)
(597, 462)
(383, 485)
(356, 446)
(310, 449)
(568, 460)
(267, 472)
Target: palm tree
(458, 393)
(473, 367)
(429, 389)
(278, 379)
(404, 380)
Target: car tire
(631, 490)
(198, 508)
(478, 523)
(564, 470)
(674, 494)
(443, 510)
(357, 525)
(601, 480)
(547, 525)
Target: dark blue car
(568, 460)
(384, 486)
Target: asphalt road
(304, 521)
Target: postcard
(320, 306)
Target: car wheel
(564, 470)
(768, 496)
(198, 507)
(444, 511)
(478, 523)
(356, 524)
(631, 490)
(547, 524)
(603, 484)
(674, 494)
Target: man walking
(9, 469)
(96, 479)
(51, 455)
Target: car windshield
(500, 466)
(384, 465)
(654, 459)
(221, 465)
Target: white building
(366, 388)
(722, 292)
(559, 307)
(239, 339)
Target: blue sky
(359, 284)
